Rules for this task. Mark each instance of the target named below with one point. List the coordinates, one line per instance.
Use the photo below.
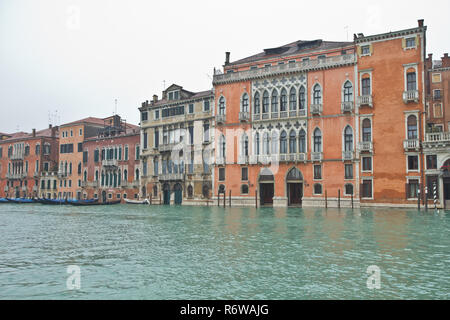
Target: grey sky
(125, 49)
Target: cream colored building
(177, 147)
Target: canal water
(158, 252)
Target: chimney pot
(50, 126)
(420, 23)
(227, 58)
(34, 133)
(445, 55)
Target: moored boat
(82, 203)
(146, 201)
(3, 200)
(20, 200)
(52, 201)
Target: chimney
(445, 61)
(420, 23)
(54, 132)
(155, 98)
(227, 58)
(34, 133)
(50, 126)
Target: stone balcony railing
(130, 185)
(35, 189)
(411, 96)
(317, 156)
(316, 108)
(221, 118)
(243, 160)
(167, 147)
(110, 163)
(299, 157)
(302, 66)
(347, 106)
(62, 174)
(220, 161)
(19, 156)
(365, 100)
(244, 116)
(171, 177)
(411, 144)
(366, 147)
(437, 140)
(280, 115)
(348, 155)
(16, 176)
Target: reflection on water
(146, 252)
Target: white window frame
(406, 43)
(362, 182)
(440, 77)
(407, 162)
(407, 182)
(362, 49)
(361, 75)
(371, 164)
(405, 71)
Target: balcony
(35, 189)
(221, 118)
(62, 174)
(130, 185)
(244, 116)
(365, 101)
(317, 156)
(301, 66)
(6, 189)
(20, 156)
(411, 96)
(220, 161)
(15, 176)
(84, 184)
(316, 108)
(171, 177)
(253, 160)
(242, 160)
(366, 147)
(347, 106)
(299, 157)
(413, 144)
(302, 113)
(437, 140)
(265, 160)
(110, 163)
(348, 155)
(93, 184)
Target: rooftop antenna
(115, 101)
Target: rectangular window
(366, 187)
(436, 78)
(206, 105)
(413, 163)
(367, 164)
(137, 152)
(156, 114)
(348, 171)
(267, 65)
(81, 132)
(206, 132)
(411, 42)
(253, 67)
(96, 155)
(244, 174)
(145, 140)
(437, 94)
(191, 108)
(221, 174)
(126, 153)
(191, 135)
(412, 189)
(437, 110)
(46, 167)
(144, 116)
(85, 157)
(432, 162)
(1, 152)
(411, 81)
(317, 172)
(80, 147)
(156, 138)
(365, 50)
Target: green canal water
(157, 252)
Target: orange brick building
(28, 164)
(318, 123)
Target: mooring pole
(326, 200)
(426, 199)
(352, 202)
(224, 199)
(218, 198)
(160, 201)
(418, 199)
(339, 198)
(230, 198)
(256, 199)
(150, 199)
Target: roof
(191, 96)
(89, 120)
(17, 136)
(294, 48)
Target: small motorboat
(146, 201)
(3, 200)
(20, 200)
(82, 201)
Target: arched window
(317, 98)
(292, 100)
(244, 145)
(257, 102)
(411, 80)
(79, 168)
(85, 176)
(265, 102)
(103, 178)
(245, 102)
(125, 175)
(96, 175)
(274, 101)
(274, 142)
(222, 106)
(292, 142)
(283, 142)
(302, 98)
(283, 100)
(302, 142)
(348, 139)
(190, 191)
(266, 144)
(222, 146)
(348, 92)
(136, 177)
(317, 140)
(412, 127)
(257, 142)
(367, 130)
(38, 149)
(119, 179)
(365, 85)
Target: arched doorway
(103, 196)
(446, 181)
(178, 191)
(166, 193)
(144, 192)
(294, 187)
(266, 187)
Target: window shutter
(403, 43)
(358, 49)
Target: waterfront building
(111, 167)
(28, 164)
(321, 123)
(436, 145)
(176, 139)
(71, 156)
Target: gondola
(3, 200)
(52, 201)
(81, 203)
(146, 201)
(20, 200)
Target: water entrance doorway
(294, 187)
(266, 187)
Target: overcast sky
(76, 57)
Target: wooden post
(326, 200)
(352, 202)
(224, 199)
(230, 198)
(418, 199)
(160, 202)
(218, 198)
(151, 196)
(426, 199)
(339, 198)
(256, 199)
